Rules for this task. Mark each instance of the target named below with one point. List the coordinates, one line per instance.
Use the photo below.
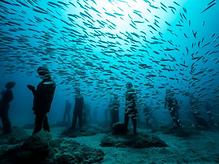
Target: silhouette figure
(131, 111)
(43, 96)
(78, 110)
(7, 97)
(66, 117)
(173, 107)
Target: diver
(173, 107)
(130, 110)
(78, 109)
(114, 110)
(6, 98)
(43, 97)
(66, 117)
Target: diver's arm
(32, 89)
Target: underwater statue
(78, 110)
(43, 97)
(130, 110)
(6, 98)
(172, 104)
(66, 117)
(86, 118)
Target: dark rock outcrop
(16, 136)
(134, 141)
(72, 152)
(36, 149)
(119, 129)
(41, 149)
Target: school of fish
(102, 48)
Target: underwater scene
(109, 81)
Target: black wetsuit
(7, 97)
(43, 97)
(78, 112)
(131, 110)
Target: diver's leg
(38, 123)
(3, 123)
(175, 118)
(6, 123)
(80, 118)
(46, 124)
(112, 113)
(74, 120)
(134, 121)
(117, 116)
(1, 120)
(172, 114)
(178, 122)
(126, 121)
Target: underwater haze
(101, 45)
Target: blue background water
(76, 53)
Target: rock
(41, 149)
(138, 141)
(119, 129)
(17, 135)
(72, 152)
(37, 146)
(36, 149)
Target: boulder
(35, 149)
(72, 152)
(42, 149)
(119, 129)
(133, 141)
(16, 136)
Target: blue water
(100, 45)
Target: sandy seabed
(202, 147)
